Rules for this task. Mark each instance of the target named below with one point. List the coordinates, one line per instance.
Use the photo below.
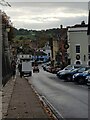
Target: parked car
(53, 70)
(48, 68)
(67, 69)
(68, 76)
(45, 66)
(88, 79)
(56, 69)
(80, 78)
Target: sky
(46, 15)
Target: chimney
(61, 26)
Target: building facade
(62, 46)
(47, 49)
(79, 50)
(55, 49)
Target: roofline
(77, 29)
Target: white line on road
(53, 109)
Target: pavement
(20, 101)
(0, 104)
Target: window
(77, 48)
(78, 63)
(88, 48)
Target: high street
(68, 99)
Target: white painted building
(47, 49)
(79, 50)
(89, 5)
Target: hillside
(41, 37)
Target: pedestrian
(13, 68)
(20, 69)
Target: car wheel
(81, 81)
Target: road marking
(46, 102)
(53, 109)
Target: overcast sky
(46, 15)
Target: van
(26, 66)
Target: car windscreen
(73, 70)
(82, 69)
(87, 71)
(25, 60)
(69, 67)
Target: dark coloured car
(56, 69)
(88, 80)
(53, 70)
(67, 69)
(68, 76)
(48, 68)
(35, 69)
(80, 78)
(44, 66)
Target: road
(69, 99)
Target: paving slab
(7, 91)
(24, 103)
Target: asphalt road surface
(69, 99)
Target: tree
(83, 22)
(4, 3)
(11, 34)
(42, 39)
(21, 38)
